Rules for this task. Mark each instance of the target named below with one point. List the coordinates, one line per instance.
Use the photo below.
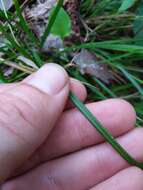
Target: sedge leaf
(126, 4)
(138, 26)
(103, 131)
(24, 24)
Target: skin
(45, 143)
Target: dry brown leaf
(89, 64)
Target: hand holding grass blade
(108, 137)
(80, 106)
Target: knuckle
(13, 109)
(15, 118)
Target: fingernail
(51, 78)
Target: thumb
(28, 112)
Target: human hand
(43, 136)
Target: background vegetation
(111, 29)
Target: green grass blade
(7, 19)
(51, 22)
(14, 44)
(37, 59)
(91, 87)
(24, 24)
(104, 132)
(109, 45)
(131, 79)
(105, 88)
(95, 90)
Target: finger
(79, 90)
(27, 115)
(75, 86)
(129, 179)
(74, 132)
(83, 169)
(5, 87)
